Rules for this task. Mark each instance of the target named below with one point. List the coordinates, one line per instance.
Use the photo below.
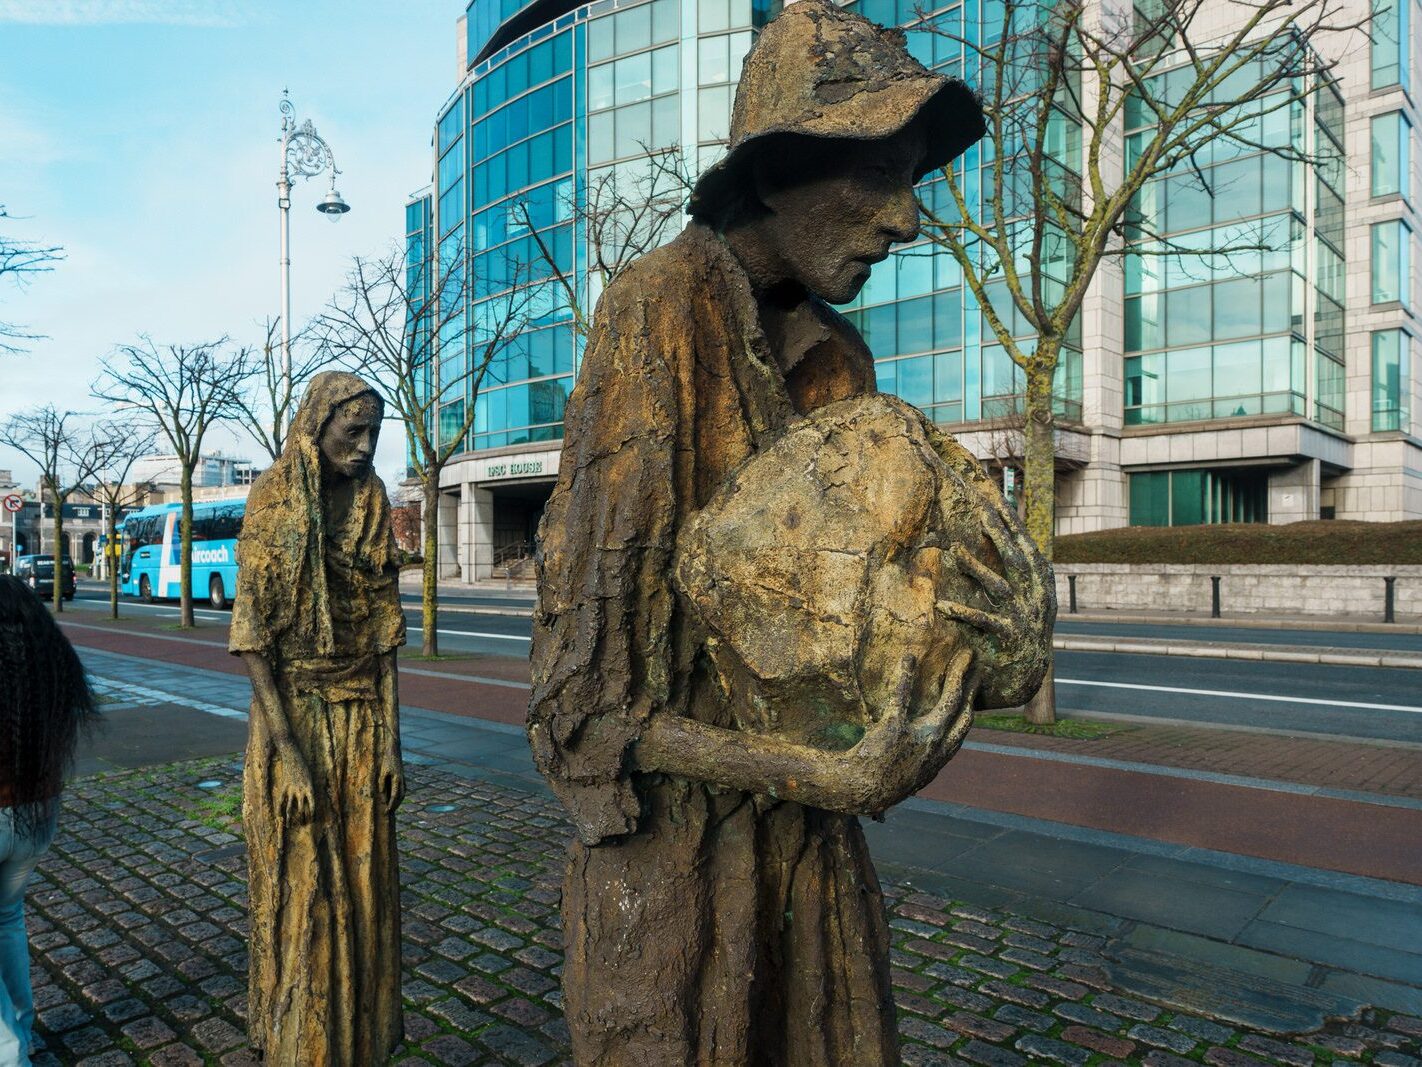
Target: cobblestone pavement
(138, 923)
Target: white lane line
(1242, 696)
(125, 605)
(471, 633)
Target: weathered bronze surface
(317, 621)
(769, 597)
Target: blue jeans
(18, 857)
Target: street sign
(13, 503)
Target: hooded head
(819, 71)
(285, 533)
(326, 421)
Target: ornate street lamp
(304, 154)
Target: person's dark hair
(45, 703)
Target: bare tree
(184, 390)
(625, 211)
(409, 328)
(124, 445)
(19, 260)
(1060, 193)
(67, 453)
(269, 402)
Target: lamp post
(304, 154)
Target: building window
(1328, 402)
(1254, 377)
(1391, 155)
(1390, 59)
(1392, 268)
(1198, 497)
(1392, 354)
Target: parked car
(38, 573)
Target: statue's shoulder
(668, 278)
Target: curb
(1245, 622)
(445, 609)
(1258, 653)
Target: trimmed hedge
(1319, 542)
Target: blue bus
(151, 565)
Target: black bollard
(1071, 594)
(1214, 596)
(1388, 599)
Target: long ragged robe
(702, 925)
(320, 604)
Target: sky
(142, 137)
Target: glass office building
(1272, 386)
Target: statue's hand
(1012, 636)
(295, 799)
(899, 755)
(390, 777)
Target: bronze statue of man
(317, 621)
(720, 906)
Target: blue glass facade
(593, 90)
(594, 87)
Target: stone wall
(1244, 589)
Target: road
(1360, 702)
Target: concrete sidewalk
(1317, 943)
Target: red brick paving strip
(1389, 769)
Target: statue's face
(348, 441)
(835, 210)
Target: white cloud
(214, 13)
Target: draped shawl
(678, 386)
(283, 608)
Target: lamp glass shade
(332, 206)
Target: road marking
(139, 606)
(1242, 696)
(471, 633)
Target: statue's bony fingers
(994, 584)
(1006, 532)
(981, 620)
(958, 732)
(903, 687)
(951, 706)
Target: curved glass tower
(556, 100)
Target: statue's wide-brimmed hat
(820, 71)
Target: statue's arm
(896, 757)
(390, 771)
(293, 794)
(753, 763)
(267, 705)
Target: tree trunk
(429, 606)
(58, 551)
(185, 558)
(111, 560)
(1039, 494)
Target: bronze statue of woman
(720, 907)
(317, 622)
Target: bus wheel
(145, 590)
(216, 592)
